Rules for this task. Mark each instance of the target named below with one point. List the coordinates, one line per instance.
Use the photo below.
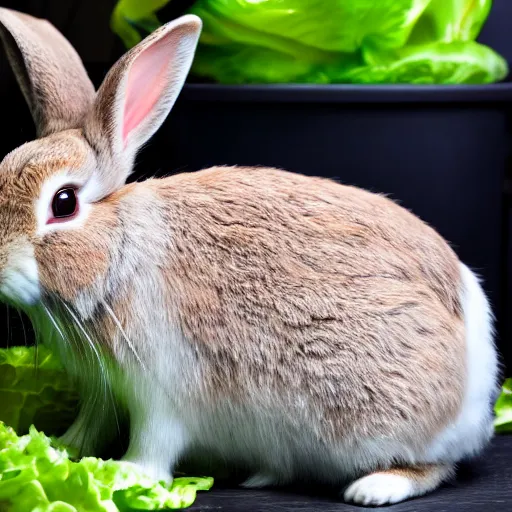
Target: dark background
(86, 25)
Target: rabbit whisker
(104, 375)
(8, 323)
(23, 327)
(84, 336)
(111, 313)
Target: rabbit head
(85, 149)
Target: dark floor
(485, 485)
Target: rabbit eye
(65, 203)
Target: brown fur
(61, 254)
(426, 475)
(273, 273)
(49, 72)
(303, 285)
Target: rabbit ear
(48, 70)
(137, 95)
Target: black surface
(484, 485)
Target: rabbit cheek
(71, 265)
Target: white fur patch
(474, 425)
(19, 280)
(157, 436)
(380, 489)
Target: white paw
(259, 481)
(152, 472)
(379, 489)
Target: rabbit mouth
(19, 282)
(20, 289)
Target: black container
(439, 151)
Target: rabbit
(305, 330)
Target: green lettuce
(43, 396)
(131, 17)
(331, 41)
(37, 475)
(451, 20)
(503, 409)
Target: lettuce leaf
(503, 409)
(332, 26)
(43, 396)
(131, 18)
(451, 20)
(345, 41)
(446, 63)
(331, 41)
(37, 475)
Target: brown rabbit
(297, 327)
